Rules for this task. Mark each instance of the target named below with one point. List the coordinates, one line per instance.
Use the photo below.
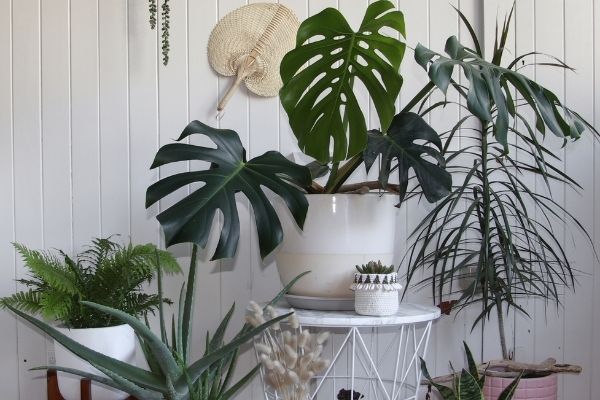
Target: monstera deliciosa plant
(494, 231)
(324, 114)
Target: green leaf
(240, 384)
(198, 367)
(445, 391)
(469, 387)
(319, 99)
(471, 363)
(509, 391)
(400, 143)
(185, 311)
(486, 95)
(190, 219)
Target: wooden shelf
(54, 392)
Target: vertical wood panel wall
(85, 103)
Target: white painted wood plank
(56, 125)
(114, 139)
(287, 140)
(9, 379)
(595, 350)
(549, 34)
(143, 121)
(85, 123)
(203, 91)
(236, 273)
(525, 42)
(27, 175)
(579, 95)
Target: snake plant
(468, 384)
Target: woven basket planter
(376, 294)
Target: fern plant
(106, 273)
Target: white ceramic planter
(376, 294)
(340, 232)
(115, 341)
(544, 388)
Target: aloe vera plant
(172, 375)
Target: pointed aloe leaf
(197, 368)
(161, 352)
(132, 373)
(190, 219)
(509, 391)
(129, 387)
(445, 391)
(217, 338)
(403, 142)
(319, 99)
(469, 387)
(286, 289)
(239, 384)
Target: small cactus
(375, 267)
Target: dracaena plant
(329, 125)
(172, 374)
(494, 231)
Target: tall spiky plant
(172, 374)
(107, 273)
(494, 230)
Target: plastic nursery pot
(376, 294)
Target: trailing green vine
(165, 17)
(165, 27)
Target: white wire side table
(377, 357)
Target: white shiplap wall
(85, 103)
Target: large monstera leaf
(320, 100)
(409, 141)
(190, 219)
(489, 95)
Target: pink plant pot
(544, 388)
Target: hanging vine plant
(165, 18)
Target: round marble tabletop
(407, 314)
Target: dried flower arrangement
(290, 355)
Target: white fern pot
(340, 232)
(376, 294)
(115, 341)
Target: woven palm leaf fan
(249, 43)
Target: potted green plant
(491, 242)
(172, 375)
(468, 384)
(107, 273)
(376, 289)
(342, 229)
